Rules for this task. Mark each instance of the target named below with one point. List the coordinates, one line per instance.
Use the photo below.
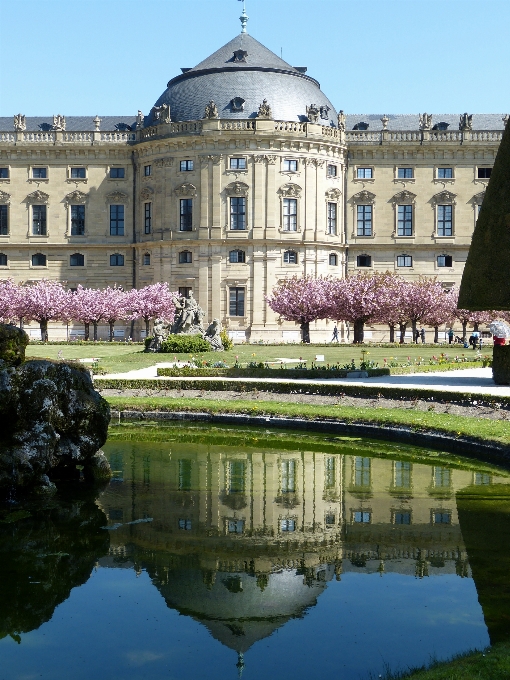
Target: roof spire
(244, 17)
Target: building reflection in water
(245, 539)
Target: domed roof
(237, 78)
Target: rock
(51, 420)
(13, 342)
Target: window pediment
(333, 194)
(38, 197)
(186, 189)
(237, 189)
(290, 191)
(146, 193)
(363, 197)
(403, 198)
(444, 197)
(478, 198)
(116, 197)
(5, 197)
(76, 197)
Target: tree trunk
(94, 323)
(358, 331)
(44, 329)
(464, 330)
(436, 334)
(475, 327)
(402, 328)
(147, 328)
(305, 332)
(413, 322)
(21, 323)
(392, 332)
(87, 331)
(111, 324)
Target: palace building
(243, 172)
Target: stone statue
(425, 121)
(264, 110)
(97, 123)
(211, 110)
(139, 119)
(385, 120)
(341, 121)
(213, 337)
(161, 113)
(188, 316)
(465, 122)
(313, 113)
(59, 123)
(19, 123)
(160, 333)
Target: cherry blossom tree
(9, 299)
(421, 297)
(44, 301)
(114, 304)
(151, 302)
(85, 306)
(393, 306)
(441, 312)
(301, 299)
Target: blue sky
(113, 57)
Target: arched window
(404, 261)
(364, 261)
(3, 260)
(333, 260)
(146, 258)
(116, 260)
(38, 260)
(77, 260)
(185, 257)
(290, 257)
(237, 256)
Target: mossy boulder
(485, 284)
(501, 364)
(13, 342)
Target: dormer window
(123, 127)
(441, 126)
(240, 56)
(237, 104)
(361, 126)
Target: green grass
(491, 664)
(493, 430)
(120, 357)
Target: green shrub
(147, 342)
(226, 340)
(185, 344)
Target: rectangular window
(235, 526)
(484, 173)
(184, 474)
(404, 261)
(238, 163)
(445, 173)
(40, 173)
(405, 173)
(289, 165)
(444, 220)
(185, 257)
(116, 260)
(77, 220)
(117, 173)
(288, 525)
(361, 517)
(402, 475)
(402, 517)
(364, 173)
(185, 524)
(332, 171)
(444, 261)
(442, 517)
(481, 479)
(236, 301)
(236, 476)
(442, 477)
(186, 166)
(78, 173)
(332, 218)
(147, 170)
(4, 220)
(364, 261)
(184, 291)
(4, 173)
(290, 214)
(238, 213)
(333, 260)
(186, 214)
(147, 216)
(405, 220)
(362, 471)
(290, 257)
(39, 220)
(330, 472)
(364, 220)
(116, 220)
(146, 259)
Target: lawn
(120, 357)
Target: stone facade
(227, 205)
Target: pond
(215, 553)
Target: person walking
(422, 336)
(451, 335)
(335, 334)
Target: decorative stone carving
(240, 56)
(161, 114)
(37, 197)
(237, 104)
(505, 119)
(116, 197)
(237, 189)
(164, 162)
(216, 159)
(19, 123)
(333, 194)
(5, 197)
(139, 120)
(478, 198)
(341, 121)
(75, 197)
(363, 197)
(290, 191)
(188, 316)
(385, 120)
(211, 110)
(264, 110)
(59, 123)
(313, 113)
(186, 189)
(146, 193)
(444, 197)
(403, 197)
(97, 123)
(264, 158)
(425, 122)
(213, 337)
(466, 122)
(324, 112)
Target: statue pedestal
(501, 364)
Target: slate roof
(409, 121)
(73, 123)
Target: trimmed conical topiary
(486, 279)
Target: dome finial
(244, 17)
